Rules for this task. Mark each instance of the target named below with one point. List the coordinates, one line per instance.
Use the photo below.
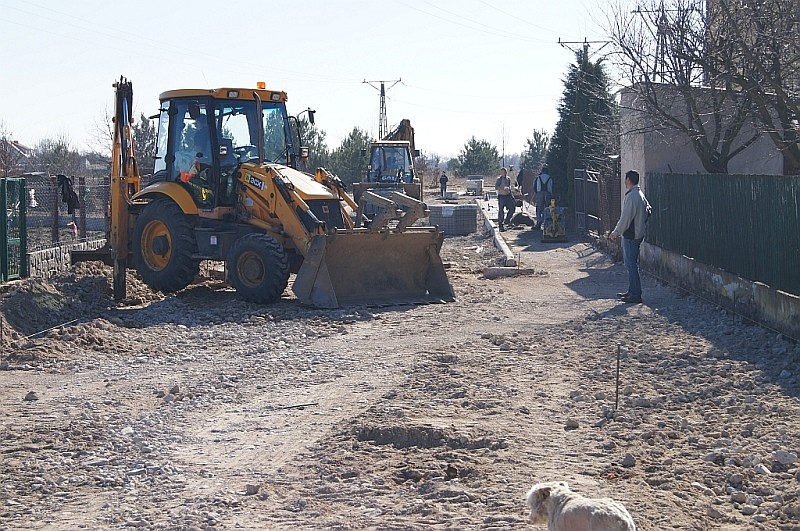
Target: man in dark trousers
(631, 226)
(505, 200)
(443, 183)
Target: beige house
(649, 148)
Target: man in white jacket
(631, 226)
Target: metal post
(54, 209)
(23, 229)
(82, 206)
(119, 280)
(4, 230)
(616, 402)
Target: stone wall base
(48, 262)
(756, 301)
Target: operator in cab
(194, 164)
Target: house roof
(22, 149)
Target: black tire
(258, 268)
(163, 247)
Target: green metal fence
(13, 231)
(748, 225)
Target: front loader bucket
(381, 268)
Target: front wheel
(258, 268)
(163, 247)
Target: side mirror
(416, 153)
(311, 116)
(363, 152)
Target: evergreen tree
(144, 137)
(533, 156)
(346, 160)
(587, 129)
(313, 137)
(478, 157)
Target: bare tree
(433, 160)
(659, 49)
(761, 45)
(103, 134)
(9, 154)
(57, 156)
(422, 167)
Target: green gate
(13, 234)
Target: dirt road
(198, 411)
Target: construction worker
(193, 165)
(505, 199)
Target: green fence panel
(13, 230)
(748, 225)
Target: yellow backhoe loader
(226, 186)
(390, 166)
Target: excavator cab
(390, 164)
(202, 141)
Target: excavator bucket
(374, 268)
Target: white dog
(563, 510)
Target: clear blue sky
(493, 69)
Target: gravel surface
(199, 411)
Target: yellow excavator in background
(226, 187)
(390, 166)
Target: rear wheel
(163, 247)
(258, 268)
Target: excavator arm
(125, 182)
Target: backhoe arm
(124, 182)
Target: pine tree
(535, 151)
(144, 136)
(346, 160)
(587, 129)
(478, 157)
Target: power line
(473, 25)
(450, 93)
(515, 17)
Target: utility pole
(503, 140)
(566, 44)
(383, 128)
(660, 19)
